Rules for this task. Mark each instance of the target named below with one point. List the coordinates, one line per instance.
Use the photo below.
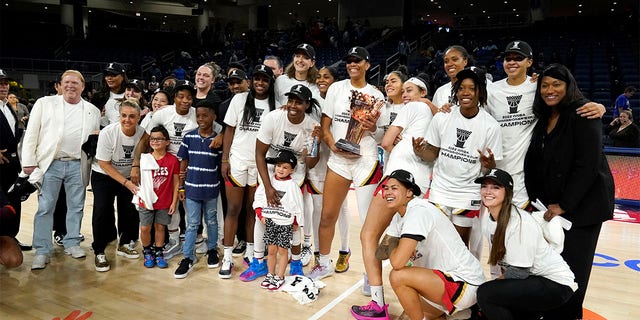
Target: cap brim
(297, 95)
(480, 180)
(112, 72)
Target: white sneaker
(226, 269)
(306, 254)
(201, 247)
(319, 272)
(39, 262)
(75, 252)
(172, 249)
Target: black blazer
(568, 167)
(8, 140)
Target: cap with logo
(237, 74)
(407, 179)
(114, 69)
(184, 84)
(135, 83)
(262, 69)
(358, 52)
(502, 177)
(284, 156)
(519, 47)
(306, 49)
(300, 91)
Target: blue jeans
(194, 216)
(69, 175)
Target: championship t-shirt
(175, 123)
(116, 147)
(283, 85)
(442, 95)
(163, 180)
(243, 146)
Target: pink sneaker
(371, 311)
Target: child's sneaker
(319, 271)
(149, 259)
(185, 267)
(212, 258)
(160, 262)
(370, 311)
(256, 269)
(226, 268)
(276, 283)
(306, 254)
(266, 282)
(295, 268)
(342, 265)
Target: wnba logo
(462, 136)
(513, 102)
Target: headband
(418, 83)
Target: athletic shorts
(243, 173)
(278, 235)
(458, 295)
(313, 186)
(148, 217)
(459, 217)
(362, 171)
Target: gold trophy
(362, 105)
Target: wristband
(225, 160)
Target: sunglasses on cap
(517, 58)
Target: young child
(280, 221)
(199, 171)
(157, 197)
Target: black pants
(105, 191)
(579, 247)
(521, 298)
(8, 175)
(60, 214)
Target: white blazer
(44, 133)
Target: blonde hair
(132, 103)
(73, 73)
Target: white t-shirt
(8, 114)
(243, 146)
(71, 142)
(441, 247)
(112, 109)
(175, 123)
(283, 85)
(527, 248)
(512, 107)
(442, 95)
(280, 134)
(319, 171)
(291, 204)
(115, 146)
(414, 119)
(458, 163)
(338, 107)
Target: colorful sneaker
(306, 254)
(256, 270)
(212, 258)
(149, 259)
(319, 271)
(201, 246)
(160, 262)
(102, 264)
(370, 311)
(185, 267)
(295, 268)
(172, 249)
(366, 287)
(127, 251)
(266, 282)
(226, 269)
(276, 283)
(239, 249)
(343, 261)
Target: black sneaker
(239, 248)
(57, 238)
(185, 267)
(212, 258)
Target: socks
(295, 256)
(377, 295)
(325, 260)
(228, 253)
(249, 252)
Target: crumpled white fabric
(302, 288)
(35, 178)
(145, 190)
(551, 230)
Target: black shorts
(278, 235)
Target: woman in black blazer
(566, 169)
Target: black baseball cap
(407, 179)
(300, 91)
(184, 84)
(115, 69)
(3, 75)
(519, 47)
(237, 74)
(285, 156)
(306, 49)
(261, 68)
(358, 52)
(501, 177)
(135, 83)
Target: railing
(50, 66)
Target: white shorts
(459, 217)
(362, 171)
(458, 294)
(243, 173)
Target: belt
(65, 159)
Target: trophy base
(348, 146)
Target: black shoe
(57, 238)
(212, 258)
(185, 267)
(239, 248)
(24, 247)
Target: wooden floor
(130, 291)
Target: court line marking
(341, 297)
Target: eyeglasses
(157, 139)
(517, 58)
